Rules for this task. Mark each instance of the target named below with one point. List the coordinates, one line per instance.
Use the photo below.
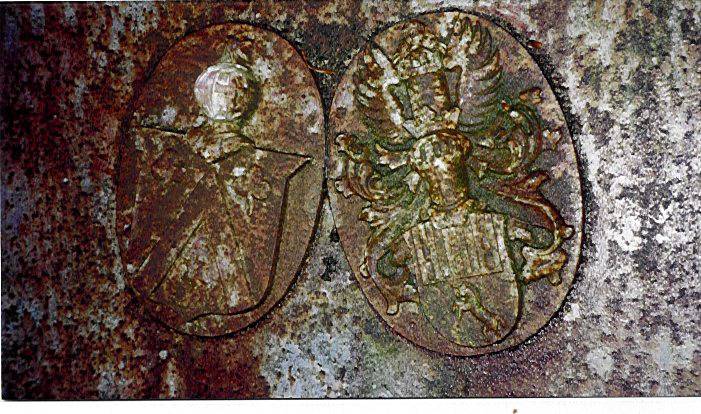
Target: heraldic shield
(465, 280)
(196, 256)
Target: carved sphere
(224, 91)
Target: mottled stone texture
(627, 73)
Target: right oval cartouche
(454, 184)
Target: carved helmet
(228, 90)
(425, 88)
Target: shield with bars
(464, 276)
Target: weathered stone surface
(627, 74)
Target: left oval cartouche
(219, 179)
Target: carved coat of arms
(446, 160)
(212, 220)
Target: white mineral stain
(233, 297)
(600, 362)
(168, 115)
(573, 313)
(143, 15)
(116, 30)
(78, 96)
(69, 15)
(173, 382)
(628, 237)
(344, 99)
(261, 68)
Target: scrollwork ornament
(447, 153)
